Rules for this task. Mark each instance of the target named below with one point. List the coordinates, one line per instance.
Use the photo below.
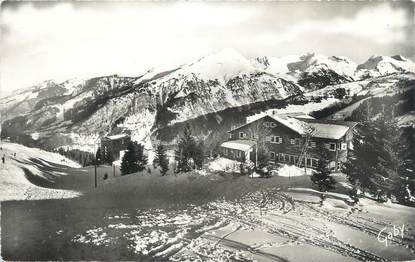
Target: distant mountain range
(77, 111)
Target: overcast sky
(49, 40)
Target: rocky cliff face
(141, 104)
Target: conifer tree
(198, 155)
(361, 160)
(98, 156)
(397, 160)
(134, 159)
(186, 148)
(141, 158)
(161, 159)
(129, 160)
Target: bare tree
(259, 132)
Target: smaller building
(239, 150)
(111, 146)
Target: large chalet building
(286, 138)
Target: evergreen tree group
(382, 160)
(134, 159)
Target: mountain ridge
(91, 107)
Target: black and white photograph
(207, 131)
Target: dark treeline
(82, 157)
(390, 106)
(339, 93)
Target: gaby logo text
(386, 235)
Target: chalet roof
(116, 137)
(296, 125)
(242, 145)
(329, 129)
(327, 121)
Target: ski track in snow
(195, 232)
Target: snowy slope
(13, 182)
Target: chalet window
(230, 136)
(242, 135)
(312, 144)
(297, 141)
(344, 146)
(238, 154)
(266, 124)
(276, 139)
(332, 146)
(281, 157)
(292, 161)
(272, 155)
(292, 141)
(308, 161)
(272, 124)
(286, 158)
(314, 162)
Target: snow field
(266, 223)
(13, 181)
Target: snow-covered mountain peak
(292, 66)
(227, 53)
(378, 65)
(223, 66)
(313, 62)
(400, 58)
